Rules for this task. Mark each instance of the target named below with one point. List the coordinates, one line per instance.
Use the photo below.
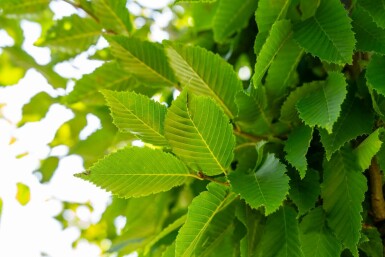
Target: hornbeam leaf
(170, 251)
(368, 148)
(204, 73)
(355, 120)
(317, 239)
(305, 192)
(296, 148)
(108, 76)
(266, 186)
(200, 214)
(376, 9)
(268, 12)
(226, 21)
(71, 35)
(22, 7)
(136, 172)
(328, 34)
(343, 191)
(113, 15)
(375, 74)
(144, 60)
(280, 33)
(368, 35)
(322, 108)
(138, 115)
(200, 133)
(281, 236)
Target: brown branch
(377, 195)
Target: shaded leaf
(375, 74)
(376, 9)
(268, 12)
(305, 192)
(266, 186)
(227, 22)
(113, 15)
(373, 246)
(191, 67)
(200, 133)
(343, 191)
(200, 214)
(281, 236)
(317, 239)
(328, 98)
(328, 34)
(135, 172)
(355, 120)
(137, 114)
(108, 76)
(297, 146)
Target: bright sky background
(30, 230)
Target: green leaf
(232, 16)
(266, 186)
(376, 9)
(200, 214)
(194, 1)
(375, 74)
(170, 251)
(296, 148)
(200, 133)
(193, 67)
(135, 172)
(23, 194)
(373, 246)
(1, 208)
(289, 111)
(280, 33)
(108, 76)
(343, 191)
(322, 108)
(71, 35)
(113, 16)
(23, 7)
(368, 35)
(317, 239)
(281, 237)
(368, 148)
(328, 34)
(268, 12)
(254, 221)
(308, 8)
(137, 114)
(48, 167)
(144, 60)
(305, 192)
(37, 108)
(355, 120)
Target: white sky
(29, 230)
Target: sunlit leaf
(368, 148)
(135, 172)
(37, 108)
(113, 15)
(193, 127)
(23, 194)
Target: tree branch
(377, 196)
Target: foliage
(272, 165)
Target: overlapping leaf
(137, 114)
(144, 60)
(343, 191)
(375, 74)
(296, 148)
(205, 73)
(322, 108)
(108, 76)
(200, 214)
(281, 236)
(23, 7)
(135, 172)
(113, 15)
(231, 16)
(376, 9)
(328, 34)
(355, 120)
(304, 192)
(200, 133)
(71, 35)
(369, 36)
(268, 12)
(280, 33)
(368, 148)
(266, 186)
(317, 239)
